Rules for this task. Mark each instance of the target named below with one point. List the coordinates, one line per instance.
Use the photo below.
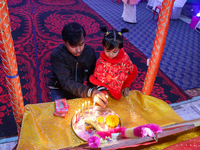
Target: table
(42, 130)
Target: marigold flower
(112, 121)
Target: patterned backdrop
(36, 27)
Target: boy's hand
(101, 98)
(125, 91)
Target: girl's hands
(125, 91)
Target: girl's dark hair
(72, 33)
(113, 38)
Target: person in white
(129, 11)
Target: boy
(72, 62)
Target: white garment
(150, 3)
(129, 13)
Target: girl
(114, 69)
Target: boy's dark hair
(71, 33)
(113, 38)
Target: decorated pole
(159, 44)
(9, 62)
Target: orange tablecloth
(42, 130)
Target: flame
(95, 98)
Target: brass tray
(79, 127)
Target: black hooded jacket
(69, 72)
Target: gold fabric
(41, 130)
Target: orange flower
(112, 121)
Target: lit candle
(82, 109)
(79, 111)
(95, 100)
(88, 106)
(85, 106)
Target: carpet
(180, 59)
(36, 28)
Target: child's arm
(130, 78)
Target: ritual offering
(94, 120)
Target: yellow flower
(100, 119)
(112, 121)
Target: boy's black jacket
(69, 72)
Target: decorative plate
(84, 130)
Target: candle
(95, 100)
(76, 117)
(79, 111)
(85, 106)
(82, 109)
(88, 106)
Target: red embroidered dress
(114, 74)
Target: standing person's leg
(129, 13)
(134, 13)
(123, 13)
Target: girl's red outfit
(114, 74)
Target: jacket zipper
(76, 71)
